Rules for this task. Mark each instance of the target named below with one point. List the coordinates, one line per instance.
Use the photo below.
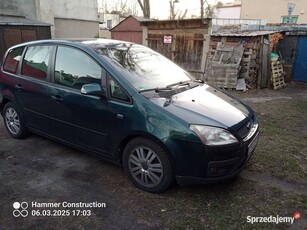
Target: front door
(78, 119)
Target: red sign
(168, 39)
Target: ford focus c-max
(127, 104)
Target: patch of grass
(224, 206)
(282, 148)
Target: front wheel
(147, 165)
(13, 121)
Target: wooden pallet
(277, 77)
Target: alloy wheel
(12, 121)
(146, 167)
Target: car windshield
(142, 67)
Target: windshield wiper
(157, 89)
(181, 83)
(169, 87)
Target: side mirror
(93, 89)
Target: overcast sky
(160, 8)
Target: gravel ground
(274, 183)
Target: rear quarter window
(12, 60)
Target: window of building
(109, 24)
(294, 19)
(74, 68)
(12, 60)
(36, 60)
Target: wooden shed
(18, 29)
(183, 41)
(129, 29)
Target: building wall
(229, 12)
(73, 28)
(19, 8)
(104, 33)
(103, 18)
(273, 12)
(84, 12)
(128, 25)
(128, 30)
(136, 37)
(80, 17)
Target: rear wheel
(13, 121)
(147, 165)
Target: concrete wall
(72, 9)
(79, 15)
(72, 19)
(273, 10)
(45, 13)
(19, 8)
(104, 33)
(72, 28)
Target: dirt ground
(273, 184)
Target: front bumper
(223, 163)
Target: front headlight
(213, 135)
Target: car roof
(75, 42)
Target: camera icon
(20, 209)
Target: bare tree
(201, 9)
(210, 10)
(118, 7)
(176, 14)
(145, 6)
(123, 6)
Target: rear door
(78, 119)
(30, 88)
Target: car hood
(205, 105)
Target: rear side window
(12, 60)
(74, 68)
(36, 60)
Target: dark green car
(127, 104)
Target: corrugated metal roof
(244, 33)
(142, 19)
(20, 21)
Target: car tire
(147, 165)
(13, 121)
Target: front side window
(12, 60)
(36, 61)
(74, 68)
(117, 92)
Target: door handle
(18, 87)
(119, 116)
(57, 98)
